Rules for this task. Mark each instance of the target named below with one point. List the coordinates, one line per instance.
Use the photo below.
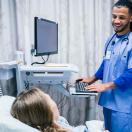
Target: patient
(36, 109)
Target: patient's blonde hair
(32, 108)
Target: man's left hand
(101, 87)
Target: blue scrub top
(115, 68)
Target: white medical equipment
(58, 75)
(7, 74)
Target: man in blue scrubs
(116, 72)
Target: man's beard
(122, 28)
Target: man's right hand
(88, 80)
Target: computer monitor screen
(46, 37)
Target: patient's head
(35, 108)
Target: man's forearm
(110, 85)
(125, 79)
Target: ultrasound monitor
(46, 37)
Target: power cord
(44, 61)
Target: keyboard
(80, 87)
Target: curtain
(83, 27)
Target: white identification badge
(108, 55)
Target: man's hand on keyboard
(88, 80)
(100, 87)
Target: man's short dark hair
(124, 3)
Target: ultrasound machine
(61, 76)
